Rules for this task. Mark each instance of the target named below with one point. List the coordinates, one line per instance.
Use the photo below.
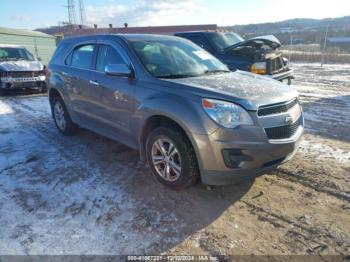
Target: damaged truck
(258, 55)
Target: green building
(40, 44)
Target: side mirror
(119, 70)
(39, 58)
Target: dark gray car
(188, 115)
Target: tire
(182, 155)
(63, 123)
(43, 89)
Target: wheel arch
(161, 120)
(53, 92)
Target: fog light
(234, 157)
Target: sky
(31, 14)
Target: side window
(81, 57)
(68, 60)
(107, 55)
(201, 41)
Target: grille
(282, 132)
(274, 65)
(21, 73)
(277, 108)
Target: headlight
(258, 68)
(285, 61)
(226, 114)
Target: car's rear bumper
(228, 156)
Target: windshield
(12, 53)
(175, 58)
(224, 40)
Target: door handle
(95, 83)
(65, 74)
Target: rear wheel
(172, 158)
(61, 117)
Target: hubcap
(166, 159)
(59, 116)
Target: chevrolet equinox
(190, 117)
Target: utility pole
(82, 12)
(72, 20)
(291, 47)
(324, 46)
(36, 48)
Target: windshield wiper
(8, 59)
(209, 72)
(173, 76)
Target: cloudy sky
(32, 14)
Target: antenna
(82, 12)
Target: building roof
(22, 32)
(339, 39)
(11, 46)
(160, 30)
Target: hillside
(307, 30)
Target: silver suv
(187, 114)
(20, 70)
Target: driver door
(116, 101)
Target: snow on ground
(62, 200)
(89, 195)
(325, 94)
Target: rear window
(201, 41)
(81, 57)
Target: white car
(20, 70)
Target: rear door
(78, 79)
(116, 101)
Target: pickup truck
(258, 55)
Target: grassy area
(313, 54)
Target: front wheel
(172, 158)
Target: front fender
(187, 113)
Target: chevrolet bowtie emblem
(288, 119)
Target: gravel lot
(89, 195)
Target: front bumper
(227, 156)
(284, 75)
(11, 83)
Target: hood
(249, 90)
(268, 40)
(21, 65)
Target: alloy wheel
(166, 159)
(59, 116)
